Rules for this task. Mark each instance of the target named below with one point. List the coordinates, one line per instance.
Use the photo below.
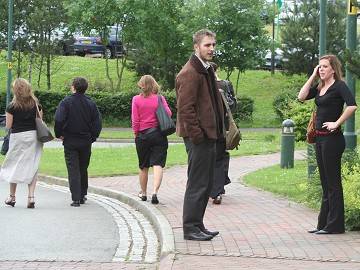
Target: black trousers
(77, 162)
(201, 162)
(329, 150)
(221, 177)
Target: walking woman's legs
(13, 189)
(32, 186)
(143, 177)
(158, 175)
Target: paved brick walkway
(257, 230)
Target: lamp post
(351, 35)
(9, 52)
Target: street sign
(352, 8)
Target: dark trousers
(221, 177)
(201, 162)
(77, 162)
(329, 150)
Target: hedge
(118, 106)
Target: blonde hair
(23, 95)
(335, 65)
(148, 85)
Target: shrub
(351, 188)
(116, 108)
(244, 109)
(300, 113)
(281, 102)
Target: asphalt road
(54, 230)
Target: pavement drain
(138, 241)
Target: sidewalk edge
(154, 215)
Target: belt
(148, 130)
(327, 132)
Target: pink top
(143, 112)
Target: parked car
(93, 44)
(278, 59)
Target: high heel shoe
(31, 203)
(10, 200)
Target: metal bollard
(287, 144)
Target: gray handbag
(43, 132)
(166, 124)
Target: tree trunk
(237, 82)
(48, 71)
(40, 70)
(18, 70)
(31, 62)
(108, 74)
(121, 71)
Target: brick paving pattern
(253, 225)
(257, 230)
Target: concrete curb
(159, 221)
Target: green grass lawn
(257, 84)
(123, 161)
(290, 183)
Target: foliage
(352, 60)
(156, 33)
(99, 15)
(281, 102)
(300, 113)
(118, 106)
(300, 35)
(241, 35)
(244, 109)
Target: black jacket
(78, 120)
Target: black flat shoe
(154, 199)
(313, 231)
(197, 236)
(142, 197)
(327, 232)
(214, 233)
(75, 203)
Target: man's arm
(60, 118)
(187, 100)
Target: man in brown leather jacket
(200, 122)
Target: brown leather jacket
(197, 116)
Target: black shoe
(217, 200)
(327, 232)
(83, 200)
(142, 197)
(214, 233)
(75, 203)
(313, 231)
(154, 199)
(198, 236)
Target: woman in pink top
(151, 145)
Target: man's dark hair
(214, 66)
(199, 35)
(80, 84)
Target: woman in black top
(330, 95)
(22, 160)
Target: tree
(87, 15)
(241, 37)
(156, 33)
(300, 35)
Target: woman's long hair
(148, 85)
(335, 65)
(24, 98)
